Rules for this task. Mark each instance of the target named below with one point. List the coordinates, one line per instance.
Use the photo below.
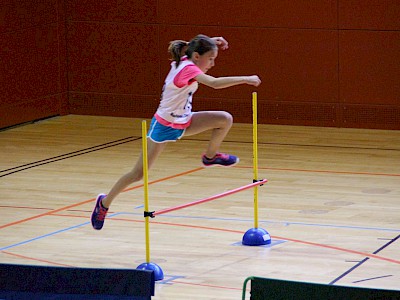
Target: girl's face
(206, 61)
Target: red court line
(239, 189)
(36, 259)
(167, 178)
(322, 171)
(291, 240)
(42, 208)
(241, 232)
(91, 200)
(340, 249)
(46, 213)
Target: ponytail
(177, 49)
(200, 44)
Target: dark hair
(200, 44)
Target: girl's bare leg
(218, 121)
(136, 174)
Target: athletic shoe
(99, 213)
(220, 159)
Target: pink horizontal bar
(245, 187)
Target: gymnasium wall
(322, 62)
(33, 60)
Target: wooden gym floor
(332, 205)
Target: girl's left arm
(224, 82)
(221, 42)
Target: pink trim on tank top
(172, 125)
(186, 76)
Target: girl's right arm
(224, 82)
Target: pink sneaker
(220, 159)
(99, 213)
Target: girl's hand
(253, 80)
(221, 42)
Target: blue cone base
(158, 272)
(256, 237)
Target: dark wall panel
(30, 64)
(137, 11)
(62, 49)
(275, 112)
(255, 13)
(371, 116)
(369, 14)
(17, 14)
(113, 58)
(26, 111)
(122, 105)
(369, 67)
(33, 60)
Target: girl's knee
(134, 176)
(227, 118)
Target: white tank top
(176, 103)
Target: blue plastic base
(256, 237)
(158, 272)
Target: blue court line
(50, 234)
(334, 226)
(170, 278)
(202, 218)
(285, 223)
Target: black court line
(363, 261)
(373, 278)
(131, 139)
(24, 167)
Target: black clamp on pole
(258, 180)
(149, 214)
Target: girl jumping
(174, 117)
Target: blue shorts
(160, 133)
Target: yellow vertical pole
(146, 188)
(255, 158)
